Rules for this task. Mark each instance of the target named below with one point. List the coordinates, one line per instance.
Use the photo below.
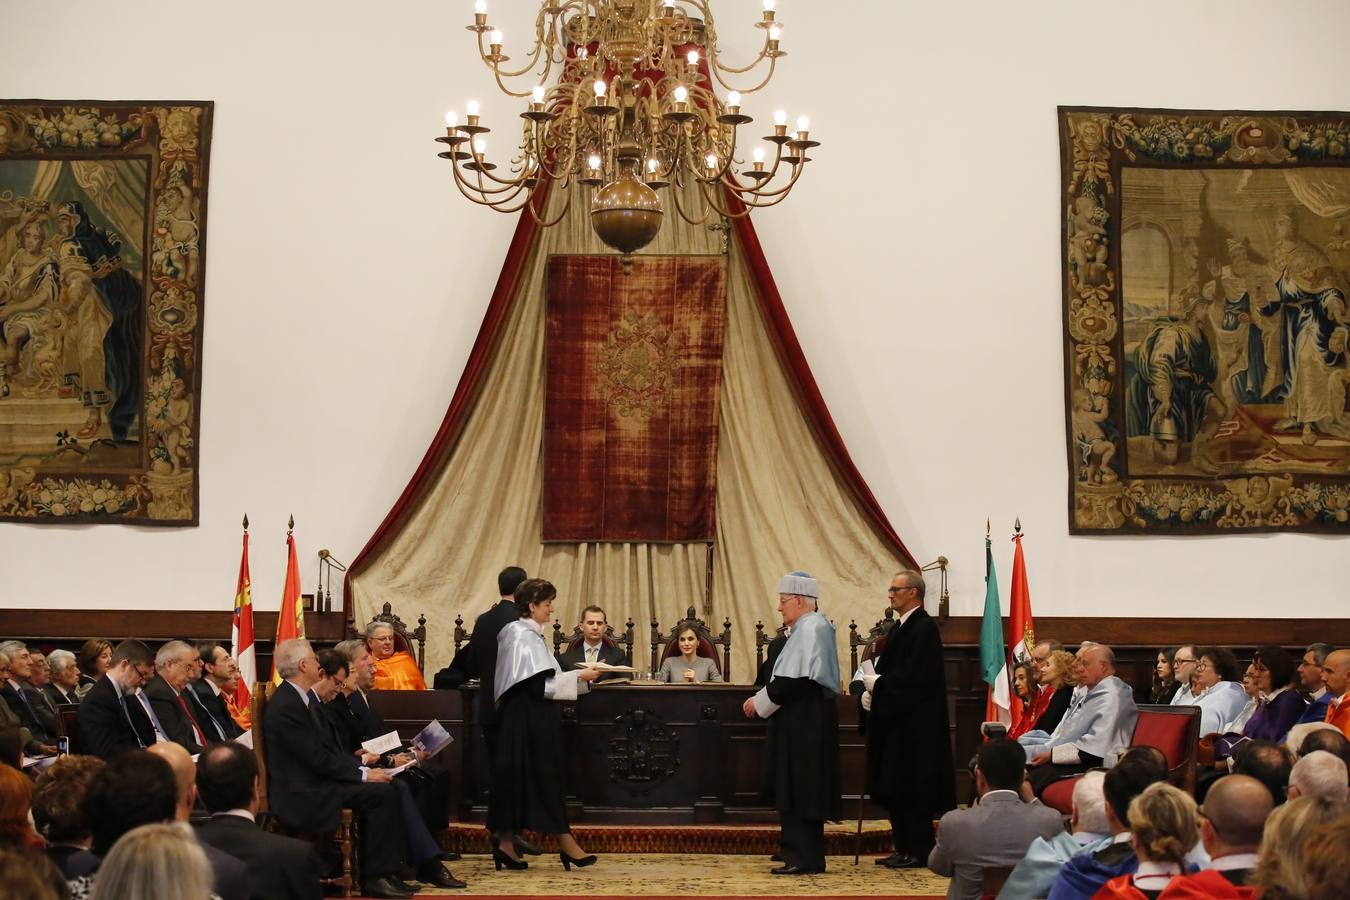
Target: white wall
(919, 260)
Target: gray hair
(1089, 803)
(376, 626)
(288, 655)
(351, 648)
(170, 652)
(58, 660)
(1299, 733)
(1320, 774)
(9, 648)
(1320, 651)
(159, 860)
(4, 658)
(913, 579)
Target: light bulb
(538, 93)
(583, 53)
(593, 161)
(495, 37)
(692, 56)
(480, 7)
(600, 88)
(759, 154)
(651, 166)
(712, 161)
(451, 119)
(803, 123)
(471, 107)
(734, 98)
(768, 5)
(681, 94)
(775, 32)
(479, 146)
(780, 118)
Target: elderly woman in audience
(1214, 684)
(1164, 826)
(688, 667)
(1253, 695)
(65, 683)
(1165, 682)
(1281, 872)
(1057, 675)
(154, 862)
(58, 812)
(16, 800)
(93, 661)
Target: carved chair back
(666, 644)
(403, 638)
(870, 644)
(563, 643)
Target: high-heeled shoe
(501, 858)
(568, 862)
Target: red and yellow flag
(1021, 625)
(291, 621)
(241, 632)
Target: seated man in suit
(17, 690)
(111, 719)
(996, 832)
(65, 678)
(593, 647)
(167, 692)
(1236, 809)
(1088, 831)
(394, 670)
(310, 779)
(283, 868)
(208, 693)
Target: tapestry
(631, 409)
(102, 251)
(1206, 265)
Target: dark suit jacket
(306, 771)
(58, 696)
(170, 713)
(104, 728)
(229, 876)
(281, 868)
(73, 862)
(611, 654)
(212, 707)
(482, 660)
(33, 713)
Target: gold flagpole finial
(246, 521)
(290, 526)
(1017, 525)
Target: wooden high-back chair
(404, 638)
(663, 642)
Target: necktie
(210, 717)
(160, 733)
(196, 729)
(127, 712)
(590, 654)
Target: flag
(241, 632)
(291, 621)
(1021, 627)
(993, 655)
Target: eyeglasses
(1201, 665)
(1178, 660)
(896, 590)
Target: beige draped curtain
(780, 504)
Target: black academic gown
(909, 752)
(802, 777)
(527, 782)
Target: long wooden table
(635, 754)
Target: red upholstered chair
(705, 649)
(1175, 730)
(666, 644)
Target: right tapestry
(1206, 324)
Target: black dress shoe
(384, 889)
(438, 875)
(404, 884)
(795, 870)
(888, 861)
(449, 856)
(524, 846)
(903, 861)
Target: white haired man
(63, 689)
(1089, 831)
(166, 692)
(1319, 774)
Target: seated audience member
(1165, 684)
(168, 697)
(208, 693)
(17, 692)
(1326, 738)
(153, 862)
(1268, 763)
(1336, 671)
(282, 868)
(58, 813)
(1234, 816)
(592, 647)
(998, 830)
(1094, 732)
(1281, 705)
(25, 874)
(65, 684)
(1164, 826)
(1324, 859)
(1088, 831)
(16, 801)
(39, 679)
(1253, 694)
(688, 667)
(221, 673)
(1025, 688)
(1183, 667)
(94, 660)
(394, 671)
(1056, 682)
(1312, 682)
(1281, 871)
(12, 739)
(1319, 774)
(1216, 690)
(1086, 873)
(143, 787)
(111, 718)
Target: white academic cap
(801, 584)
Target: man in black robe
(904, 716)
(799, 700)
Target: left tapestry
(102, 258)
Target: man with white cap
(799, 700)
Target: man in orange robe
(394, 671)
(1336, 672)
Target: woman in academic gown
(528, 768)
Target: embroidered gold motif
(637, 365)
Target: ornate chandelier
(633, 113)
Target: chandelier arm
(548, 223)
(484, 190)
(780, 193)
(679, 208)
(718, 69)
(502, 205)
(495, 65)
(708, 191)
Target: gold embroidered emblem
(637, 364)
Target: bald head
(1336, 672)
(184, 775)
(1236, 809)
(1094, 663)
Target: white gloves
(870, 682)
(867, 701)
